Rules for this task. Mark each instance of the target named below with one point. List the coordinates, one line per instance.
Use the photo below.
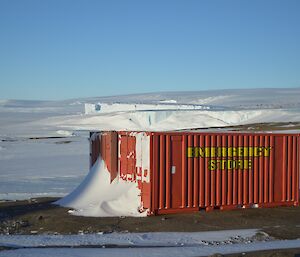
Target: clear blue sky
(57, 49)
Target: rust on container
(189, 171)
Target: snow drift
(97, 197)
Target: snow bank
(177, 251)
(97, 197)
(141, 244)
(134, 239)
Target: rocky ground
(40, 215)
(270, 253)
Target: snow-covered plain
(189, 251)
(133, 239)
(34, 161)
(142, 244)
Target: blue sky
(57, 49)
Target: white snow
(99, 108)
(97, 197)
(53, 167)
(172, 120)
(168, 101)
(142, 244)
(64, 133)
(41, 167)
(131, 239)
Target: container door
(94, 147)
(109, 152)
(176, 171)
(127, 157)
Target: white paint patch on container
(142, 150)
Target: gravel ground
(40, 216)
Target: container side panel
(235, 172)
(271, 168)
(98, 147)
(219, 184)
(111, 153)
(261, 171)
(279, 167)
(230, 173)
(224, 171)
(168, 171)
(190, 174)
(212, 170)
(240, 165)
(91, 145)
(145, 197)
(155, 173)
(202, 175)
(128, 158)
(196, 174)
(93, 148)
(176, 172)
(245, 171)
(289, 165)
(256, 171)
(207, 171)
(162, 172)
(284, 169)
(298, 171)
(103, 145)
(131, 158)
(250, 171)
(123, 154)
(266, 170)
(184, 172)
(294, 169)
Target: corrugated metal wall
(105, 144)
(192, 171)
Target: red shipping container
(190, 171)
